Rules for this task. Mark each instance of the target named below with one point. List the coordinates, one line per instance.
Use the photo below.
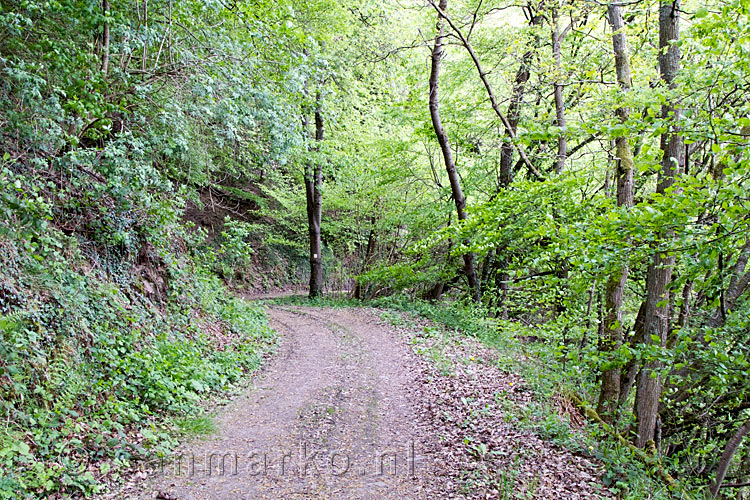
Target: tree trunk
(738, 284)
(506, 150)
(726, 457)
(445, 147)
(631, 368)
(485, 81)
(487, 264)
(612, 328)
(562, 143)
(105, 40)
(503, 287)
(313, 187)
(514, 109)
(368, 257)
(435, 292)
(659, 275)
(145, 44)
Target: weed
(196, 425)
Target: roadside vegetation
(566, 181)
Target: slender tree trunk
(659, 275)
(506, 150)
(589, 305)
(442, 136)
(562, 143)
(726, 457)
(738, 284)
(440, 8)
(145, 43)
(105, 41)
(313, 188)
(514, 109)
(631, 368)
(487, 264)
(683, 317)
(503, 287)
(371, 241)
(612, 328)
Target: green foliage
(234, 253)
(112, 326)
(544, 371)
(113, 248)
(197, 425)
(80, 388)
(467, 318)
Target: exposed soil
(350, 409)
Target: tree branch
(488, 87)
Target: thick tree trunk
(659, 275)
(313, 188)
(445, 147)
(562, 143)
(726, 457)
(612, 328)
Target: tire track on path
(331, 417)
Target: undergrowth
(108, 348)
(543, 356)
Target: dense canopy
(576, 171)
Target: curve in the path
(347, 410)
(330, 418)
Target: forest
(566, 182)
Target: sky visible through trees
(574, 172)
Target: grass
(196, 425)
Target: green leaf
(700, 13)
(23, 448)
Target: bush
(102, 347)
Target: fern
(65, 382)
(12, 321)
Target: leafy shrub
(96, 359)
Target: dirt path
(331, 417)
(348, 409)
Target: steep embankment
(106, 346)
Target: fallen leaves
(469, 402)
